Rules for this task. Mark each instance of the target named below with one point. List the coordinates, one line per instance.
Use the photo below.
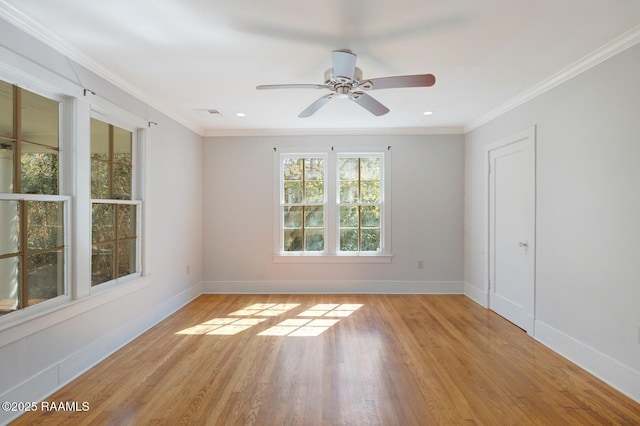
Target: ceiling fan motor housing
(342, 85)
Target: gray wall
(41, 352)
(587, 216)
(427, 179)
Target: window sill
(33, 319)
(324, 258)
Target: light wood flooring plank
(395, 360)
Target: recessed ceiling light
(241, 114)
(427, 113)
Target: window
(303, 203)
(115, 210)
(33, 214)
(332, 204)
(360, 203)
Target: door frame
(529, 133)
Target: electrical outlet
(188, 269)
(420, 264)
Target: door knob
(523, 244)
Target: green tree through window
(114, 224)
(303, 206)
(32, 254)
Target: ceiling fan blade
(311, 109)
(419, 80)
(292, 86)
(344, 63)
(369, 103)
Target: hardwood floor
(357, 360)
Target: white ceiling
(184, 57)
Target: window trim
(332, 254)
(66, 249)
(283, 203)
(75, 111)
(138, 135)
(26, 83)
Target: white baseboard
(477, 295)
(333, 287)
(607, 369)
(41, 385)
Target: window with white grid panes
(360, 203)
(303, 203)
(33, 214)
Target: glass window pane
(370, 168)
(6, 166)
(314, 191)
(314, 169)
(10, 225)
(121, 182)
(293, 217)
(126, 221)
(292, 169)
(348, 239)
(39, 170)
(292, 239)
(121, 145)
(39, 119)
(370, 240)
(99, 180)
(9, 284)
(44, 224)
(348, 216)
(314, 217)
(126, 257)
(103, 223)
(370, 191)
(6, 109)
(45, 276)
(314, 240)
(349, 192)
(102, 263)
(99, 140)
(370, 216)
(293, 192)
(348, 168)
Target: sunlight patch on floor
(331, 310)
(300, 327)
(317, 322)
(223, 326)
(266, 309)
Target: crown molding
(617, 45)
(15, 17)
(40, 32)
(335, 132)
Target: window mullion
(24, 270)
(111, 161)
(359, 203)
(17, 133)
(331, 205)
(117, 241)
(304, 201)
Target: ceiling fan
(344, 80)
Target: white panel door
(512, 229)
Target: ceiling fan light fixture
(343, 91)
